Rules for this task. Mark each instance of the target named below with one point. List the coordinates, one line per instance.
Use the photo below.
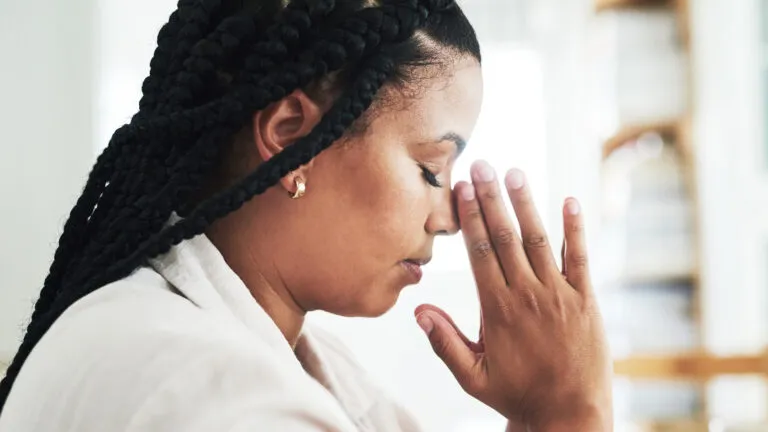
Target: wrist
(589, 419)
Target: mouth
(418, 262)
(413, 268)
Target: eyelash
(430, 177)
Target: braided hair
(216, 63)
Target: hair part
(216, 63)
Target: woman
(286, 159)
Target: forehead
(446, 102)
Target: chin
(375, 300)
(372, 307)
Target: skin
(367, 208)
(541, 358)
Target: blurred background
(652, 112)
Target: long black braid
(216, 63)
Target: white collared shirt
(183, 346)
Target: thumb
(451, 348)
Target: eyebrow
(460, 142)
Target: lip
(419, 262)
(413, 267)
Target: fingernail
(425, 323)
(572, 207)
(515, 179)
(468, 192)
(484, 172)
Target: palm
(479, 349)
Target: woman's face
(374, 204)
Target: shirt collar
(197, 269)
(199, 272)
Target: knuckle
(522, 197)
(470, 383)
(528, 298)
(519, 281)
(482, 249)
(473, 214)
(506, 312)
(490, 193)
(441, 346)
(579, 260)
(504, 236)
(560, 309)
(590, 306)
(575, 228)
(536, 241)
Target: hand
(541, 359)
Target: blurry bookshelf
(649, 247)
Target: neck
(233, 238)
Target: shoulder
(225, 387)
(147, 359)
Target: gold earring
(301, 188)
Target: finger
(491, 285)
(481, 337)
(576, 250)
(465, 365)
(427, 307)
(562, 259)
(506, 242)
(516, 426)
(534, 236)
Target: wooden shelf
(684, 281)
(667, 129)
(684, 22)
(682, 425)
(671, 278)
(694, 366)
(604, 5)
(692, 425)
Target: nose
(444, 220)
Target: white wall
(45, 142)
(72, 74)
(127, 33)
(573, 155)
(734, 202)
(727, 134)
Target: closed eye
(430, 177)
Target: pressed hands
(541, 359)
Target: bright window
(510, 132)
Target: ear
(282, 124)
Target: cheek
(393, 196)
(384, 202)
